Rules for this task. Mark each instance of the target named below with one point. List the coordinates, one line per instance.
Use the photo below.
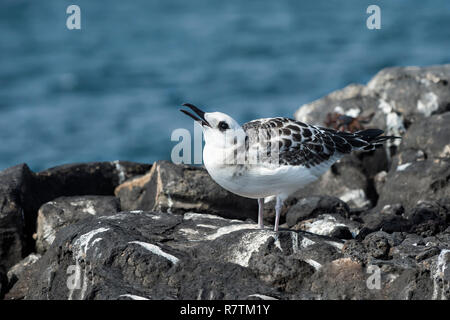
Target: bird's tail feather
(373, 137)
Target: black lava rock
(182, 188)
(311, 207)
(63, 211)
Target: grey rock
(409, 268)
(344, 279)
(417, 91)
(355, 250)
(426, 219)
(385, 220)
(286, 273)
(321, 253)
(167, 256)
(440, 273)
(353, 97)
(154, 255)
(22, 192)
(182, 188)
(431, 252)
(15, 271)
(341, 232)
(360, 100)
(423, 162)
(347, 278)
(311, 207)
(19, 277)
(144, 254)
(396, 95)
(375, 246)
(378, 245)
(427, 279)
(63, 211)
(412, 284)
(411, 102)
(443, 237)
(3, 282)
(330, 225)
(429, 218)
(18, 205)
(91, 178)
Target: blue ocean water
(112, 90)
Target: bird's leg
(278, 206)
(260, 212)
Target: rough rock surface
(180, 188)
(22, 270)
(398, 96)
(3, 282)
(63, 211)
(166, 256)
(311, 207)
(22, 192)
(93, 178)
(17, 204)
(155, 256)
(411, 102)
(421, 169)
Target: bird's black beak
(199, 112)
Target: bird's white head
(219, 129)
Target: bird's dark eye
(223, 126)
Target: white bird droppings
(313, 263)
(120, 171)
(157, 250)
(133, 297)
(82, 244)
(229, 229)
(357, 196)
(250, 242)
(402, 167)
(189, 231)
(439, 273)
(195, 216)
(208, 226)
(261, 296)
(306, 242)
(394, 122)
(323, 226)
(427, 104)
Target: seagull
(273, 157)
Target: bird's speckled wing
(307, 145)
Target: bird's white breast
(259, 180)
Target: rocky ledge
(375, 226)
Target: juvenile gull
(273, 156)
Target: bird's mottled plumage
(273, 156)
(307, 145)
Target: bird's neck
(223, 156)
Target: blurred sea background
(112, 90)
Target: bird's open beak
(199, 112)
